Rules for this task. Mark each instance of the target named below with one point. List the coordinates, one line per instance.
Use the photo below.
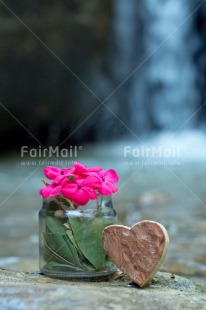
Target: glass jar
(71, 238)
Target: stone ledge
(23, 291)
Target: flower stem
(99, 205)
(67, 206)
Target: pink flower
(81, 169)
(56, 174)
(80, 191)
(51, 172)
(63, 175)
(79, 184)
(108, 179)
(50, 190)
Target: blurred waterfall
(158, 40)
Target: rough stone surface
(138, 251)
(23, 291)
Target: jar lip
(53, 198)
(102, 203)
(56, 196)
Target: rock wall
(200, 59)
(37, 83)
(101, 42)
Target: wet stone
(33, 291)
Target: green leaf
(71, 178)
(109, 263)
(49, 254)
(88, 266)
(55, 225)
(55, 264)
(73, 250)
(88, 236)
(71, 237)
(62, 247)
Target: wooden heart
(138, 251)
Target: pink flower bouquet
(77, 207)
(79, 184)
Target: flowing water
(162, 179)
(155, 45)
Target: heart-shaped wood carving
(138, 251)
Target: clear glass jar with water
(70, 239)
